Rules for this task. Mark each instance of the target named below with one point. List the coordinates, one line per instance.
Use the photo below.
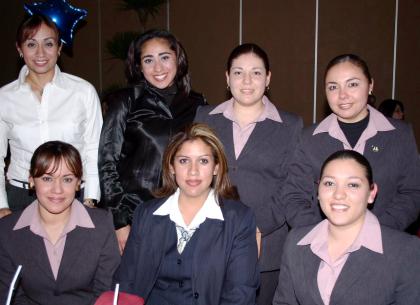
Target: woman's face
(158, 63)
(41, 51)
(56, 191)
(248, 79)
(347, 90)
(194, 168)
(344, 193)
(398, 113)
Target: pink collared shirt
(241, 135)
(370, 237)
(377, 122)
(30, 217)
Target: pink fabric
(369, 237)
(30, 217)
(377, 122)
(241, 135)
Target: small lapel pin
(375, 148)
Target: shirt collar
(270, 111)
(210, 209)
(377, 121)
(370, 236)
(57, 79)
(78, 217)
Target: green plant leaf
(118, 46)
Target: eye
(183, 160)
(50, 44)
(331, 87)
(237, 73)
(257, 73)
(31, 45)
(204, 161)
(328, 183)
(46, 178)
(68, 179)
(353, 84)
(147, 61)
(165, 57)
(353, 185)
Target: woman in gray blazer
(259, 140)
(349, 258)
(68, 252)
(388, 144)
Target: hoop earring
(370, 92)
(21, 55)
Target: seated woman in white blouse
(196, 244)
(349, 258)
(45, 104)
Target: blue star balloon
(64, 15)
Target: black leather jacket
(137, 127)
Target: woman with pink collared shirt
(388, 144)
(68, 252)
(259, 140)
(349, 258)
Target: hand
(4, 212)
(258, 236)
(89, 202)
(122, 236)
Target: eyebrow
(351, 177)
(160, 54)
(347, 80)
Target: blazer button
(179, 261)
(181, 284)
(196, 295)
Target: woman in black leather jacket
(139, 121)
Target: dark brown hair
(133, 62)
(221, 184)
(247, 48)
(50, 154)
(31, 25)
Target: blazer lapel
(260, 134)
(224, 131)
(357, 264)
(73, 250)
(160, 228)
(311, 265)
(210, 231)
(37, 252)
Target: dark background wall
(286, 29)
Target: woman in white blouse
(45, 104)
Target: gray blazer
(367, 277)
(259, 174)
(89, 260)
(396, 169)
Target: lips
(345, 106)
(193, 183)
(56, 199)
(339, 207)
(247, 91)
(160, 77)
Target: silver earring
(20, 55)
(370, 92)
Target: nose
(157, 67)
(57, 186)
(339, 192)
(342, 93)
(39, 51)
(246, 78)
(193, 170)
